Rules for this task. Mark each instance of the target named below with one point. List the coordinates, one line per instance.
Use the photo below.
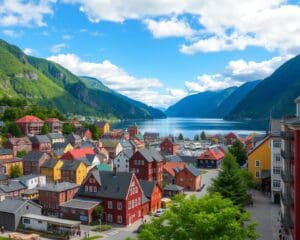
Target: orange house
(189, 178)
(153, 192)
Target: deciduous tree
(238, 150)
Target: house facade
(30, 125)
(121, 161)
(147, 164)
(55, 125)
(19, 144)
(73, 171)
(103, 127)
(210, 158)
(33, 161)
(41, 143)
(51, 169)
(52, 195)
(169, 146)
(56, 138)
(113, 147)
(153, 192)
(189, 177)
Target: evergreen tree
(95, 131)
(230, 182)
(14, 129)
(203, 136)
(68, 128)
(207, 218)
(196, 137)
(16, 171)
(45, 129)
(239, 151)
(180, 136)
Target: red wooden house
(84, 133)
(210, 158)
(147, 164)
(55, 125)
(30, 125)
(41, 143)
(52, 195)
(169, 146)
(133, 131)
(19, 144)
(120, 195)
(153, 192)
(189, 178)
(231, 138)
(77, 153)
(170, 169)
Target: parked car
(159, 212)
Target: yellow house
(259, 160)
(103, 127)
(73, 171)
(60, 148)
(51, 169)
(8, 164)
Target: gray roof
(150, 154)
(112, 186)
(53, 220)
(173, 158)
(50, 163)
(173, 187)
(12, 187)
(55, 135)
(40, 139)
(193, 170)
(80, 204)
(128, 153)
(34, 156)
(26, 177)
(70, 165)
(57, 146)
(109, 143)
(148, 187)
(5, 151)
(126, 144)
(58, 187)
(13, 205)
(88, 144)
(145, 199)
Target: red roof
(52, 120)
(232, 135)
(28, 119)
(169, 167)
(77, 153)
(212, 154)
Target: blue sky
(157, 51)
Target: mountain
(233, 100)
(199, 105)
(96, 84)
(46, 83)
(274, 95)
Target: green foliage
(196, 137)
(45, 129)
(68, 128)
(203, 136)
(12, 102)
(208, 218)
(180, 136)
(248, 178)
(21, 154)
(230, 182)
(16, 171)
(93, 237)
(102, 228)
(98, 211)
(14, 129)
(239, 151)
(94, 130)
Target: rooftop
(52, 220)
(13, 205)
(80, 204)
(28, 119)
(58, 187)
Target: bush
(102, 228)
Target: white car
(159, 212)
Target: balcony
(286, 221)
(286, 135)
(287, 155)
(287, 176)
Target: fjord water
(191, 126)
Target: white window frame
(109, 205)
(120, 219)
(257, 163)
(119, 205)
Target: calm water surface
(191, 126)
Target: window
(256, 163)
(73, 211)
(26, 220)
(129, 205)
(119, 205)
(109, 218)
(95, 189)
(109, 204)
(86, 188)
(276, 183)
(276, 143)
(120, 219)
(257, 174)
(276, 170)
(91, 188)
(277, 157)
(40, 222)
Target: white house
(121, 161)
(31, 181)
(276, 161)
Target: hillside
(234, 99)
(46, 83)
(275, 95)
(199, 105)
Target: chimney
(297, 101)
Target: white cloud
(24, 13)
(225, 25)
(58, 47)
(235, 74)
(169, 28)
(28, 51)
(66, 37)
(12, 33)
(148, 90)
